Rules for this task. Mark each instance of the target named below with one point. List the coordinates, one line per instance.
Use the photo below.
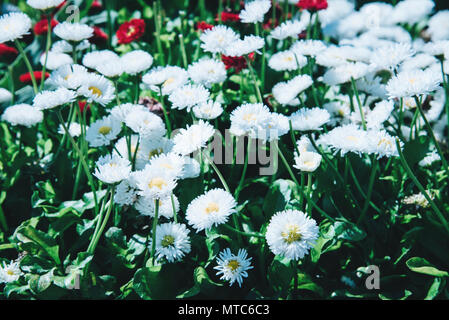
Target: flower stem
(156, 217)
(421, 188)
(359, 103)
(254, 78)
(245, 167)
(374, 165)
(28, 65)
(47, 49)
(432, 135)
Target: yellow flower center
(308, 163)
(155, 152)
(167, 241)
(352, 138)
(233, 265)
(10, 272)
(249, 117)
(131, 30)
(95, 91)
(104, 130)
(168, 82)
(292, 234)
(157, 183)
(166, 166)
(385, 141)
(212, 207)
(288, 59)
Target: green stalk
(97, 236)
(374, 165)
(47, 49)
(254, 78)
(153, 243)
(309, 193)
(420, 187)
(245, 167)
(446, 88)
(356, 92)
(432, 135)
(28, 65)
(246, 234)
(183, 51)
(157, 23)
(11, 83)
(175, 216)
(82, 159)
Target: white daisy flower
(23, 115)
(112, 169)
(44, 4)
(289, 28)
(380, 114)
(96, 58)
(14, 26)
(146, 124)
(246, 46)
(74, 129)
(429, 159)
(276, 126)
(218, 39)
(111, 69)
(307, 161)
(69, 76)
(191, 168)
(412, 83)
(373, 85)
(62, 46)
(167, 78)
(150, 148)
(255, 11)
(207, 72)
(420, 61)
(390, 57)
(304, 145)
(250, 119)
(5, 95)
(412, 11)
(188, 96)
(286, 92)
(345, 72)
(10, 273)
(232, 267)
(208, 110)
(438, 26)
(212, 208)
(291, 234)
(171, 162)
(193, 138)
(347, 138)
(103, 131)
(136, 61)
(126, 191)
(309, 119)
(52, 99)
(121, 111)
(97, 89)
(147, 206)
(155, 184)
(74, 32)
(287, 61)
(381, 144)
(172, 241)
(308, 47)
(55, 60)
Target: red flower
(312, 5)
(99, 36)
(131, 31)
(96, 6)
(203, 26)
(229, 16)
(26, 77)
(83, 106)
(7, 50)
(236, 63)
(41, 27)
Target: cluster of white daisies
(375, 56)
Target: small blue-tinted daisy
(233, 267)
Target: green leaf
(205, 284)
(280, 274)
(421, 265)
(44, 241)
(437, 286)
(348, 231)
(280, 194)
